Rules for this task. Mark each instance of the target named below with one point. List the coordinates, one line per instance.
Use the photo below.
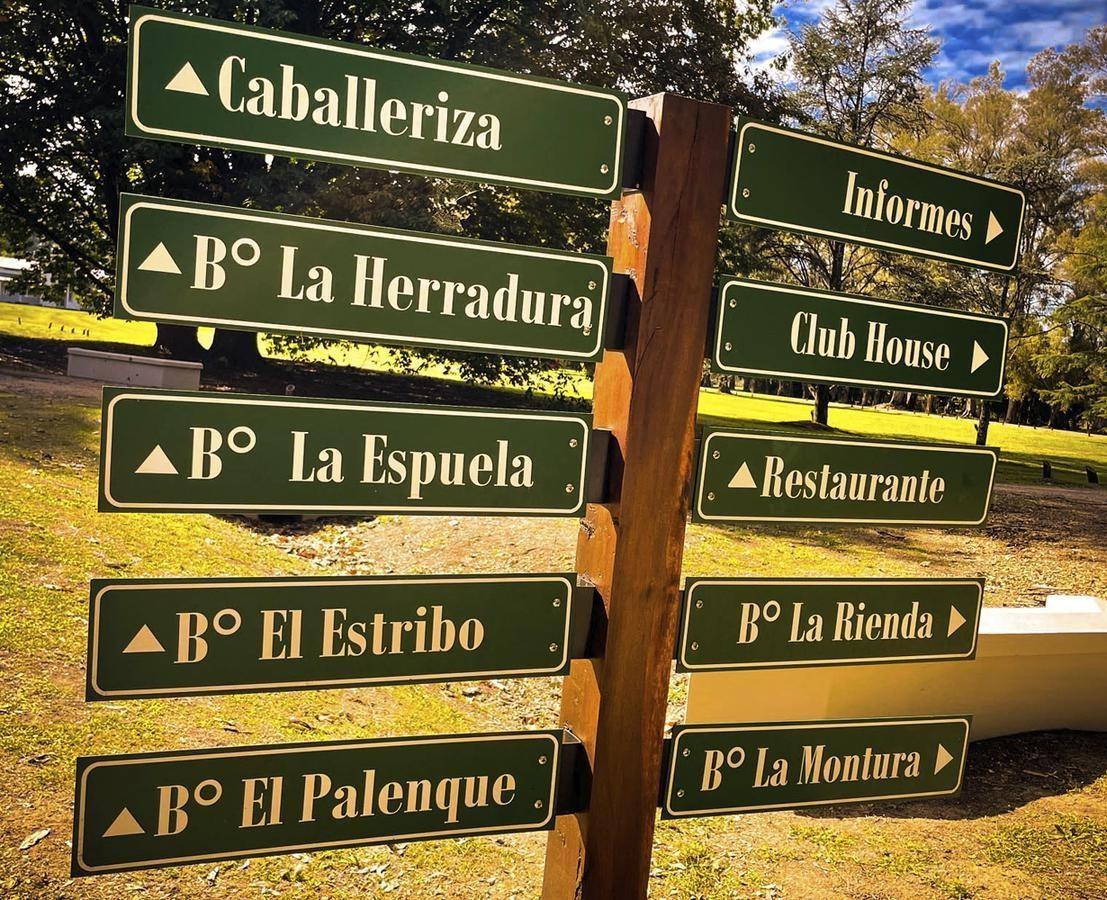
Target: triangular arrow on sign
(742, 478)
(144, 641)
(994, 228)
(157, 463)
(186, 81)
(943, 760)
(159, 260)
(124, 823)
(979, 357)
(956, 620)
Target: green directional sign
(203, 452)
(198, 264)
(203, 81)
(170, 637)
(761, 623)
(801, 182)
(780, 331)
(760, 477)
(723, 769)
(146, 810)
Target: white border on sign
(322, 583)
(937, 448)
(814, 582)
(262, 146)
(555, 755)
(348, 407)
(858, 239)
(845, 298)
(822, 727)
(365, 231)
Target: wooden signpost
(725, 769)
(761, 623)
(782, 331)
(201, 452)
(801, 182)
(181, 637)
(760, 477)
(146, 810)
(203, 81)
(197, 264)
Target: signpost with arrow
(781, 331)
(203, 81)
(726, 769)
(761, 623)
(757, 477)
(801, 182)
(198, 264)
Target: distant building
(11, 268)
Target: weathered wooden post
(665, 238)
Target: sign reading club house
(199, 264)
(157, 809)
(202, 452)
(801, 182)
(179, 637)
(781, 331)
(202, 81)
(755, 477)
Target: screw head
(680, 793)
(746, 193)
(572, 442)
(541, 760)
(728, 345)
(605, 168)
(695, 646)
(711, 495)
(591, 285)
(699, 604)
(685, 752)
(715, 454)
(607, 120)
(733, 304)
(569, 489)
(553, 648)
(753, 148)
(556, 602)
(537, 804)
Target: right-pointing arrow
(979, 357)
(956, 620)
(994, 228)
(742, 478)
(943, 760)
(124, 823)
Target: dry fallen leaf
(33, 838)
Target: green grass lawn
(1022, 449)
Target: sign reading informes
(169, 637)
(756, 477)
(197, 264)
(779, 331)
(202, 81)
(723, 769)
(147, 810)
(801, 182)
(203, 452)
(763, 623)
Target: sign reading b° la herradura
(762, 477)
(198, 264)
(801, 182)
(147, 810)
(223, 84)
(717, 770)
(179, 451)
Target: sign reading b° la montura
(198, 264)
(180, 451)
(203, 81)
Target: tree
(64, 158)
(858, 75)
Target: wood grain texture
(665, 237)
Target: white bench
(124, 368)
(1036, 669)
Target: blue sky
(972, 32)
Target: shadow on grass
(1001, 775)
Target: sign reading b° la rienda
(202, 81)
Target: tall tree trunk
(820, 412)
(928, 408)
(983, 422)
(1012, 415)
(179, 341)
(238, 348)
